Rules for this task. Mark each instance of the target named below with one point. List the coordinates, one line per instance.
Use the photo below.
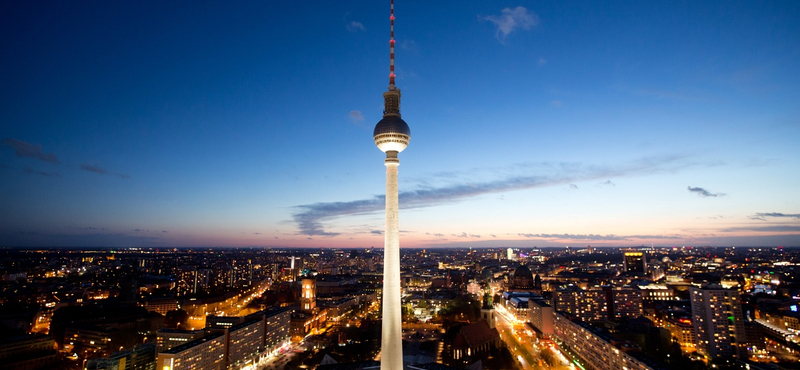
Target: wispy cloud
(511, 20)
(354, 26)
(542, 61)
(42, 173)
(775, 228)
(309, 217)
(86, 228)
(356, 117)
(596, 236)
(93, 168)
(704, 193)
(26, 149)
(101, 171)
(556, 103)
(763, 216)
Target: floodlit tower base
(392, 327)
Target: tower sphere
(391, 134)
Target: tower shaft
(392, 327)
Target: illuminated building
(657, 292)
(140, 357)
(681, 329)
(624, 302)
(541, 316)
(244, 344)
(597, 348)
(192, 280)
(229, 342)
(207, 353)
(169, 338)
(586, 305)
(276, 323)
(223, 322)
(391, 135)
(308, 300)
(718, 322)
(635, 262)
(93, 341)
(161, 305)
(516, 303)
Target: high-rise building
(718, 321)
(635, 262)
(391, 135)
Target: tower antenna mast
(391, 48)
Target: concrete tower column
(391, 339)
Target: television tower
(391, 135)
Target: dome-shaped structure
(391, 134)
(523, 279)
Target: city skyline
(247, 125)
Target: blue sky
(533, 123)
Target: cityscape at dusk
(535, 124)
(588, 186)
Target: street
(522, 345)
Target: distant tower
(391, 135)
(308, 297)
